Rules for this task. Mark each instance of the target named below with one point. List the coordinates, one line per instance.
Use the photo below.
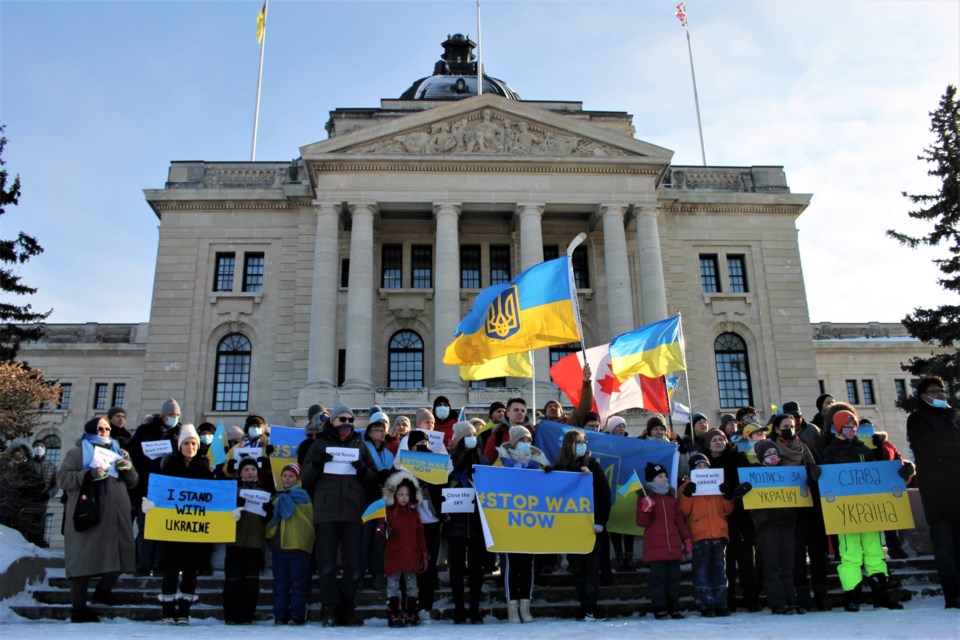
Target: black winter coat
(145, 466)
(338, 498)
(185, 555)
(463, 525)
(934, 437)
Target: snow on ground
(13, 547)
(921, 618)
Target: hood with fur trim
(393, 483)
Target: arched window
(232, 374)
(733, 371)
(52, 443)
(406, 359)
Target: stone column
(618, 291)
(653, 291)
(446, 298)
(322, 362)
(531, 253)
(360, 299)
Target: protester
(823, 402)
(23, 496)
(117, 416)
(291, 536)
(444, 418)
(107, 548)
(553, 410)
(622, 543)
(428, 508)
(515, 415)
(406, 548)
(317, 416)
(256, 437)
(886, 450)
(47, 489)
(398, 431)
(244, 559)
(372, 549)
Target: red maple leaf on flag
(609, 385)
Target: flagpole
(681, 14)
(256, 111)
(533, 387)
(479, 54)
(576, 242)
(686, 378)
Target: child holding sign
(406, 553)
(291, 536)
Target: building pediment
(484, 128)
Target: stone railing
(235, 175)
(732, 179)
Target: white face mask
(39, 451)
(254, 432)
(443, 412)
(206, 438)
(470, 442)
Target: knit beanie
(340, 409)
(416, 437)
(187, 431)
(114, 411)
(841, 418)
(292, 466)
(422, 416)
(713, 433)
(698, 458)
(91, 425)
(697, 417)
(655, 421)
(206, 427)
(234, 434)
(462, 430)
(519, 431)
(762, 446)
(379, 416)
(248, 461)
(613, 422)
(652, 470)
(314, 410)
(494, 406)
(169, 407)
(726, 419)
(820, 400)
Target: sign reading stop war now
(864, 496)
(776, 487)
(188, 510)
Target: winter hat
(314, 410)
(253, 420)
(438, 401)
(187, 431)
(494, 406)
(114, 411)
(792, 408)
(751, 428)
(698, 458)
(726, 419)
(293, 466)
(91, 425)
(743, 412)
(652, 470)
(519, 431)
(169, 407)
(697, 417)
(612, 423)
(422, 416)
(206, 427)
(591, 416)
(248, 461)
(655, 421)
(234, 434)
(762, 447)
(416, 437)
(339, 409)
(841, 418)
(714, 433)
(379, 416)
(550, 402)
(462, 430)
(820, 400)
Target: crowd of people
(313, 532)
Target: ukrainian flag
(216, 452)
(515, 365)
(633, 485)
(653, 350)
(376, 510)
(533, 310)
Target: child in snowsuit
(244, 559)
(406, 549)
(290, 532)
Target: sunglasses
(343, 420)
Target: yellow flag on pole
(261, 22)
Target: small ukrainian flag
(633, 485)
(376, 510)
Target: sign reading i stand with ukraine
(864, 496)
(189, 510)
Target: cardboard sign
(156, 448)
(708, 481)
(458, 500)
(104, 458)
(342, 457)
(432, 468)
(285, 441)
(254, 500)
(188, 510)
(864, 496)
(436, 442)
(776, 487)
(240, 453)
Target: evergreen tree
(12, 254)
(940, 325)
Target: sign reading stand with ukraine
(529, 511)
(864, 496)
(532, 311)
(188, 510)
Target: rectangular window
(253, 272)
(100, 396)
(422, 259)
(489, 383)
(867, 391)
(581, 270)
(551, 252)
(709, 275)
(344, 273)
(470, 266)
(119, 394)
(391, 266)
(66, 390)
(223, 273)
(853, 393)
(341, 366)
(737, 271)
(499, 264)
(900, 386)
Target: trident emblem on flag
(503, 315)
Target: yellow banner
(168, 525)
(867, 512)
(777, 497)
(188, 510)
(429, 467)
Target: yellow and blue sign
(285, 441)
(376, 509)
(529, 511)
(621, 459)
(653, 350)
(432, 468)
(188, 510)
(532, 311)
(863, 496)
(776, 487)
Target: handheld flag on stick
(216, 452)
(653, 350)
(633, 485)
(377, 509)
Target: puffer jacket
(664, 528)
(706, 515)
(406, 545)
(463, 525)
(934, 437)
(338, 498)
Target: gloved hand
(684, 444)
(646, 505)
(98, 473)
(146, 505)
(124, 465)
(742, 489)
(270, 449)
(236, 514)
(546, 468)
(689, 489)
(877, 441)
(323, 458)
(597, 528)
(813, 472)
(907, 470)
(360, 466)
(232, 466)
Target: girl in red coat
(406, 549)
(666, 540)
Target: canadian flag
(610, 395)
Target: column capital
(646, 208)
(446, 208)
(613, 208)
(323, 205)
(360, 207)
(530, 208)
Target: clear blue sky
(99, 97)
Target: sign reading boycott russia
(529, 511)
(187, 510)
(865, 496)
(776, 487)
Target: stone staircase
(554, 595)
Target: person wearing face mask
(256, 435)
(444, 418)
(575, 456)
(808, 433)
(463, 531)
(371, 553)
(164, 426)
(23, 498)
(317, 417)
(514, 415)
(48, 476)
(859, 551)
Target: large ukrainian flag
(533, 310)
(653, 350)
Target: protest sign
(239, 453)
(529, 511)
(254, 499)
(189, 510)
(285, 441)
(776, 487)
(436, 442)
(864, 496)
(708, 481)
(342, 457)
(458, 500)
(104, 458)
(156, 448)
(432, 468)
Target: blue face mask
(170, 422)
(470, 442)
(206, 438)
(581, 449)
(937, 403)
(254, 432)
(523, 446)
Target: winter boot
(880, 591)
(459, 613)
(101, 596)
(475, 616)
(84, 614)
(620, 565)
(168, 605)
(803, 597)
(821, 597)
(513, 611)
(525, 614)
(184, 602)
(394, 613)
(628, 562)
(411, 616)
(851, 599)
